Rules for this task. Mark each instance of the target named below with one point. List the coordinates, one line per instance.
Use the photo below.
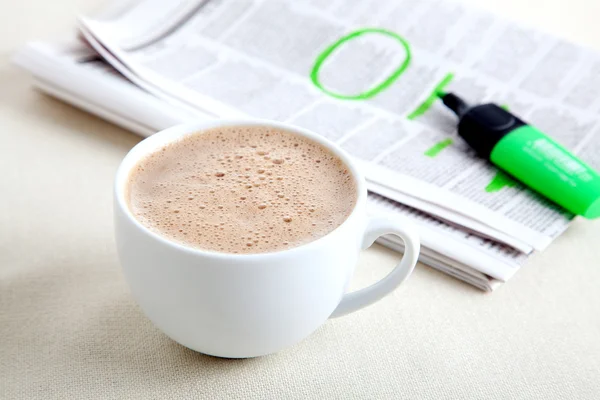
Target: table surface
(69, 328)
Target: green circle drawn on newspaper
(314, 74)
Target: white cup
(247, 305)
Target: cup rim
(176, 132)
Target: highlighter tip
(454, 103)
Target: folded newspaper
(363, 74)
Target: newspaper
(258, 58)
(207, 59)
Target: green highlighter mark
(499, 181)
(426, 105)
(314, 74)
(438, 147)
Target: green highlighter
(528, 155)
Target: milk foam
(242, 190)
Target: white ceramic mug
(246, 305)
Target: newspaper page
(96, 87)
(456, 244)
(363, 74)
(75, 73)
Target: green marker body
(528, 155)
(547, 167)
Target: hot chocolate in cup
(183, 269)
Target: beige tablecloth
(69, 328)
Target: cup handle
(379, 226)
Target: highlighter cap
(483, 126)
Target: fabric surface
(69, 328)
